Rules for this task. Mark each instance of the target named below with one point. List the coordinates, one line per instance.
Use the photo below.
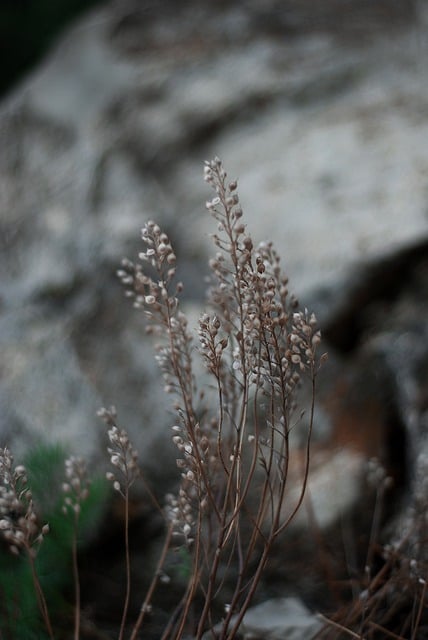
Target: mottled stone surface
(322, 120)
(278, 619)
(321, 112)
(321, 116)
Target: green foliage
(19, 610)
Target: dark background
(28, 28)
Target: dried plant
(19, 523)
(232, 432)
(124, 458)
(76, 490)
(391, 598)
(234, 451)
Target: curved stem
(41, 600)
(149, 595)
(76, 580)
(128, 566)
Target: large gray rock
(278, 619)
(320, 110)
(324, 128)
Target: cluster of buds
(303, 340)
(194, 452)
(150, 293)
(271, 287)
(230, 210)
(18, 519)
(180, 513)
(122, 454)
(226, 209)
(212, 345)
(159, 249)
(233, 271)
(264, 301)
(377, 476)
(149, 284)
(254, 290)
(76, 487)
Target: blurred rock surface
(320, 112)
(277, 619)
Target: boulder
(277, 619)
(321, 118)
(324, 131)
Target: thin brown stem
(420, 609)
(41, 600)
(340, 627)
(299, 502)
(127, 566)
(149, 595)
(76, 579)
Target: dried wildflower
(122, 454)
(76, 491)
(76, 486)
(160, 256)
(194, 449)
(151, 283)
(19, 524)
(124, 458)
(180, 512)
(18, 519)
(257, 347)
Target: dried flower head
(122, 454)
(18, 519)
(76, 485)
(148, 291)
(150, 283)
(234, 453)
